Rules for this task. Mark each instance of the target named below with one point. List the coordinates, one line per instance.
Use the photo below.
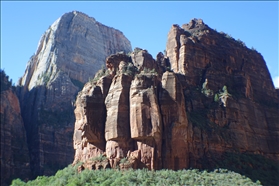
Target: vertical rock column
(145, 120)
(117, 128)
(173, 46)
(89, 138)
(175, 123)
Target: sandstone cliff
(208, 103)
(14, 151)
(249, 119)
(72, 49)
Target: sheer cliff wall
(68, 55)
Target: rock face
(132, 124)
(208, 103)
(249, 120)
(14, 150)
(70, 52)
(175, 137)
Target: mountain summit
(72, 44)
(71, 51)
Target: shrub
(241, 42)
(124, 160)
(137, 50)
(216, 97)
(254, 49)
(147, 71)
(46, 77)
(205, 90)
(18, 182)
(130, 70)
(99, 158)
(69, 176)
(101, 73)
(223, 96)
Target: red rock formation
(217, 100)
(89, 125)
(250, 112)
(142, 59)
(145, 119)
(175, 137)
(14, 152)
(117, 131)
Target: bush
(130, 69)
(241, 42)
(147, 71)
(101, 73)
(205, 90)
(18, 182)
(216, 97)
(124, 160)
(45, 77)
(69, 176)
(99, 158)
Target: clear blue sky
(145, 24)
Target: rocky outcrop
(145, 118)
(248, 120)
(209, 98)
(14, 150)
(127, 90)
(69, 53)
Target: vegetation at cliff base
(255, 166)
(69, 176)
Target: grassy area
(69, 176)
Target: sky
(145, 23)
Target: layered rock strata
(207, 98)
(14, 151)
(69, 53)
(249, 120)
(133, 123)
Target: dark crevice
(204, 73)
(242, 65)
